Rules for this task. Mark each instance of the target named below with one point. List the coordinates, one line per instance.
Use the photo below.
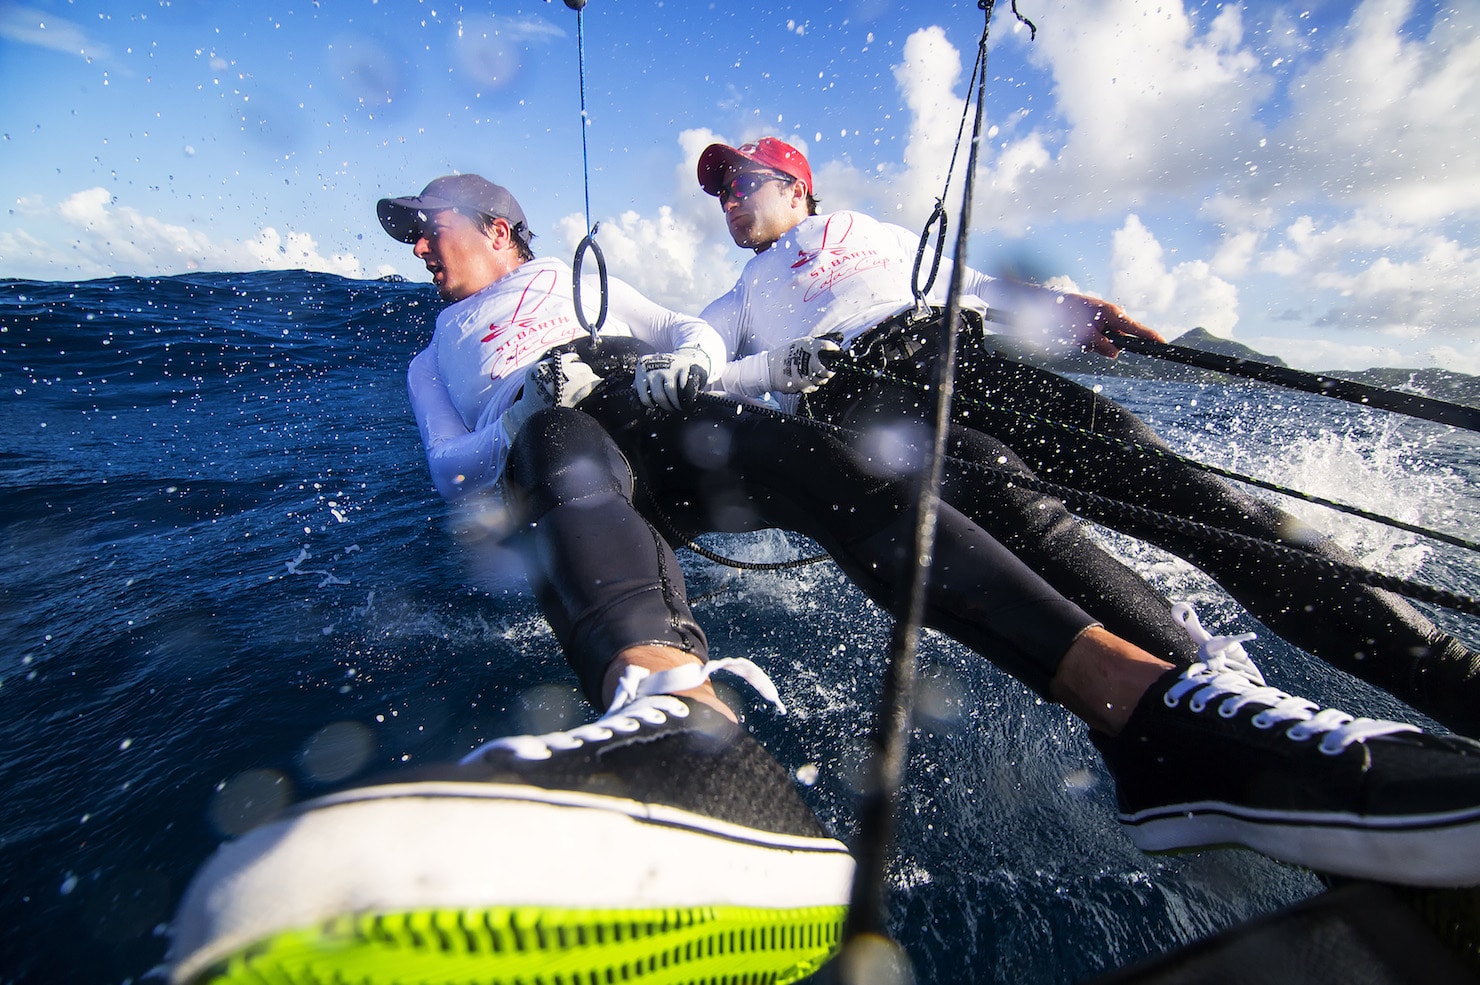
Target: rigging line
(1411, 404)
(1032, 28)
(939, 214)
(589, 242)
(868, 903)
(1219, 536)
(670, 530)
(976, 69)
(1454, 540)
(724, 586)
(1206, 532)
(585, 123)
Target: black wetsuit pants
(1368, 632)
(607, 580)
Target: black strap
(1412, 404)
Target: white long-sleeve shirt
(843, 272)
(461, 384)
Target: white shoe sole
(1439, 850)
(466, 848)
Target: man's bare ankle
(655, 658)
(1102, 678)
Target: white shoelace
(642, 697)
(1218, 652)
(1225, 673)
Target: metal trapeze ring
(589, 243)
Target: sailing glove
(800, 366)
(556, 381)
(671, 380)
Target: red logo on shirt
(834, 260)
(836, 235)
(531, 330)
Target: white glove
(797, 366)
(557, 381)
(665, 379)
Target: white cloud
(927, 79)
(525, 30)
(91, 235)
(683, 256)
(1364, 352)
(1321, 184)
(1387, 122)
(1170, 299)
(1175, 128)
(690, 200)
(1465, 360)
(671, 259)
(1324, 354)
(1235, 254)
(1143, 93)
(1384, 275)
(27, 25)
(1148, 106)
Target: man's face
(761, 206)
(462, 259)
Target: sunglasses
(742, 186)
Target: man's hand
(670, 380)
(564, 380)
(1086, 320)
(556, 381)
(799, 366)
(1047, 316)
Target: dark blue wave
(219, 538)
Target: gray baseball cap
(402, 217)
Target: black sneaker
(1212, 757)
(660, 843)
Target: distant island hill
(1439, 384)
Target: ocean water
(228, 584)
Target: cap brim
(716, 164)
(402, 217)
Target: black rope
(867, 919)
(670, 530)
(1411, 404)
(939, 215)
(797, 562)
(1219, 536)
(1032, 28)
(1208, 533)
(845, 366)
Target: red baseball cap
(719, 161)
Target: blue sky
(1301, 178)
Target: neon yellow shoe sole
(501, 946)
(491, 883)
